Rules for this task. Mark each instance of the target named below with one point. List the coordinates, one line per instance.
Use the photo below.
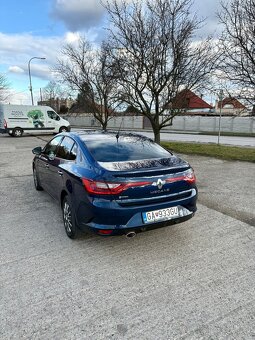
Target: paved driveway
(195, 280)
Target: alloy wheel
(17, 132)
(67, 214)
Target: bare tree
(237, 46)
(53, 91)
(87, 70)
(156, 55)
(56, 96)
(4, 86)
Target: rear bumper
(120, 220)
(4, 130)
(99, 229)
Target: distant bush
(63, 109)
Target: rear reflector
(105, 232)
(5, 124)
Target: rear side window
(125, 148)
(73, 152)
(67, 149)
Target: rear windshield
(125, 148)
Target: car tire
(17, 132)
(36, 181)
(63, 129)
(70, 225)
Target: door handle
(60, 173)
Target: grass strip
(236, 134)
(233, 153)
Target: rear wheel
(69, 218)
(63, 129)
(36, 181)
(17, 132)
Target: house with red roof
(188, 102)
(231, 106)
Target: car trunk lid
(149, 181)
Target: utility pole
(29, 73)
(220, 100)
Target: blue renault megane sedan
(114, 183)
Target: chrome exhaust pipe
(131, 234)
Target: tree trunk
(156, 131)
(104, 125)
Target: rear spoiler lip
(138, 167)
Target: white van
(15, 119)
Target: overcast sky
(39, 28)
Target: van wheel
(63, 129)
(69, 218)
(17, 132)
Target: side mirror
(51, 156)
(37, 150)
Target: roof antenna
(118, 133)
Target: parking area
(194, 280)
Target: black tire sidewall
(74, 230)
(37, 183)
(63, 129)
(14, 132)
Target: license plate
(160, 215)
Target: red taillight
(101, 188)
(5, 124)
(109, 188)
(116, 188)
(189, 177)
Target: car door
(43, 163)
(63, 155)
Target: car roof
(87, 135)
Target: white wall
(180, 123)
(211, 124)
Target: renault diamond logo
(159, 183)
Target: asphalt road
(226, 140)
(194, 280)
